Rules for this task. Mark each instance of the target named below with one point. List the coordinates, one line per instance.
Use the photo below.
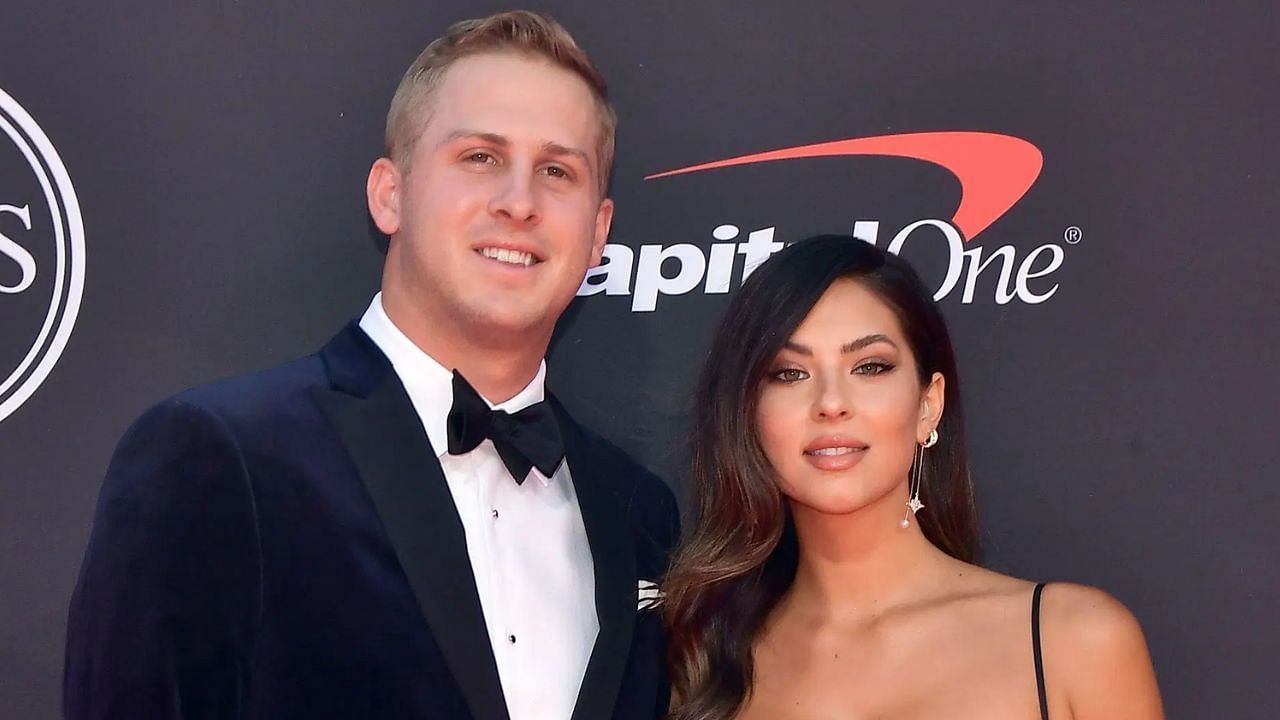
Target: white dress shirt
(527, 544)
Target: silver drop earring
(913, 487)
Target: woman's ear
(932, 403)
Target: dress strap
(1035, 647)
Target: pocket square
(648, 594)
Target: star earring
(917, 470)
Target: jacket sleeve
(164, 612)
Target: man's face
(500, 214)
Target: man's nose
(515, 199)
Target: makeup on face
(839, 404)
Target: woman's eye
(873, 367)
(789, 375)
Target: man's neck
(498, 379)
(497, 364)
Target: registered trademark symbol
(1073, 235)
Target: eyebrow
(558, 149)
(849, 347)
(553, 148)
(488, 137)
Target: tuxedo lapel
(604, 514)
(384, 437)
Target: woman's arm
(1096, 661)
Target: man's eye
(481, 157)
(556, 171)
(874, 367)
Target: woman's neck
(858, 565)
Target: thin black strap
(1035, 647)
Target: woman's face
(841, 408)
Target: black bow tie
(529, 438)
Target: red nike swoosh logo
(994, 170)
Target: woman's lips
(834, 453)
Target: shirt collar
(430, 384)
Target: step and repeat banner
(1090, 189)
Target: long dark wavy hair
(740, 554)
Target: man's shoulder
(263, 392)
(651, 503)
(270, 413)
(238, 406)
(202, 436)
(647, 484)
(622, 465)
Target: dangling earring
(913, 487)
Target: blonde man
(406, 524)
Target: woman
(829, 570)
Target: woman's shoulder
(1089, 616)
(1093, 649)
(1083, 619)
(1079, 607)
(975, 584)
(1088, 622)
(1095, 654)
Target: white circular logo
(41, 256)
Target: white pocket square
(648, 594)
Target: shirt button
(495, 513)
(511, 639)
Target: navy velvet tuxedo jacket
(284, 545)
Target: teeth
(833, 451)
(514, 257)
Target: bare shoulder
(1095, 655)
(974, 582)
(1088, 622)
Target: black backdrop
(1122, 430)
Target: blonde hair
(520, 31)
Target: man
(357, 534)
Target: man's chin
(504, 324)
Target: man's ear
(604, 219)
(383, 191)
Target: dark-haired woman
(829, 569)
